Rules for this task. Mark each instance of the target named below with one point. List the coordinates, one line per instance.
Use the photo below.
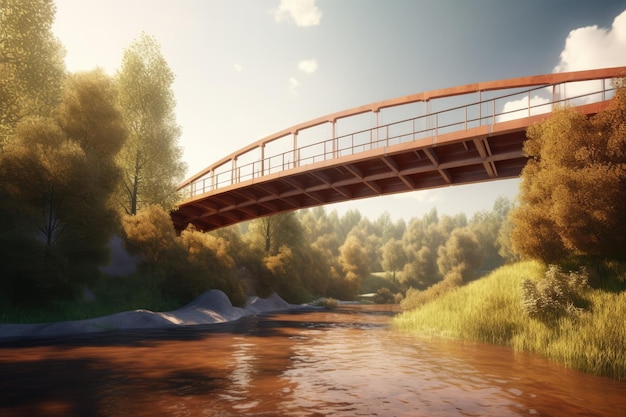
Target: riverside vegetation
(591, 338)
(569, 303)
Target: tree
(61, 175)
(31, 63)
(205, 264)
(355, 263)
(40, 173)
(272, 232)
(421, 270)
(573, 191)
(150, 159)
(460, 251)
(150, 234)
(90, 117)
(394, 256)
(487, 227)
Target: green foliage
(31, 63)
(415, 298)
(461, 248)
(489, 310)
(384, 296)
(60, 175)
(354, 262)
(150, 234)
(572, 200)
(394, 256)
(557, 294)
(326, 302)
(185, 266)
(151, 158)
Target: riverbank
(490, 310)
(210, 307)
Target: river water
(345, 362)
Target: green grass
(113, 295)
(489, 310)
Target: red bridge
(457, 135)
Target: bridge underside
(470, 156)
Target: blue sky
(248, 68)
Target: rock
(211, 307)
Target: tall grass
(490, 310)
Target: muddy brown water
(346, 362)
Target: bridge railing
(507, 104)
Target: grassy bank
(489, 310)
(112, 295)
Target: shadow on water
(81, 387)
(92, 374)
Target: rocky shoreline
(210, 307)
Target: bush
(557, 294)
(327, 303)
(416, 298)
(384, 296)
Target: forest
(86, 157)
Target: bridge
(459, 135)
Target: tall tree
(394, 256)
(573, 190)
(42, 174)
(355, 263)
(151, 157)
(31, 62)
(461, 252)
(90, 117)
(272, 232)
(61, 175)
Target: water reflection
(341, 363)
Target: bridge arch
(457, 135)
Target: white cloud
(421, 196)
(593, 47)
(293, 85)
(303, 12)
(238, 67)
(309, 66)
(516, 109)
(585, 48)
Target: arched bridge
(457, 135)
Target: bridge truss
(458, 135)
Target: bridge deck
(464, 143)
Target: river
(345, 362)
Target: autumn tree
(355, 263)
(271, 232)
(151, 235)
(573, 189)
(62, 186)
(486, 226)
(461, 253)
(323, 250)
(90, 117)
(151, 157)
(31, 62)
(394, 257)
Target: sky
(246, 69)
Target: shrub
(416, 298)
(557, 294)
(384, 296)
(327, 303)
